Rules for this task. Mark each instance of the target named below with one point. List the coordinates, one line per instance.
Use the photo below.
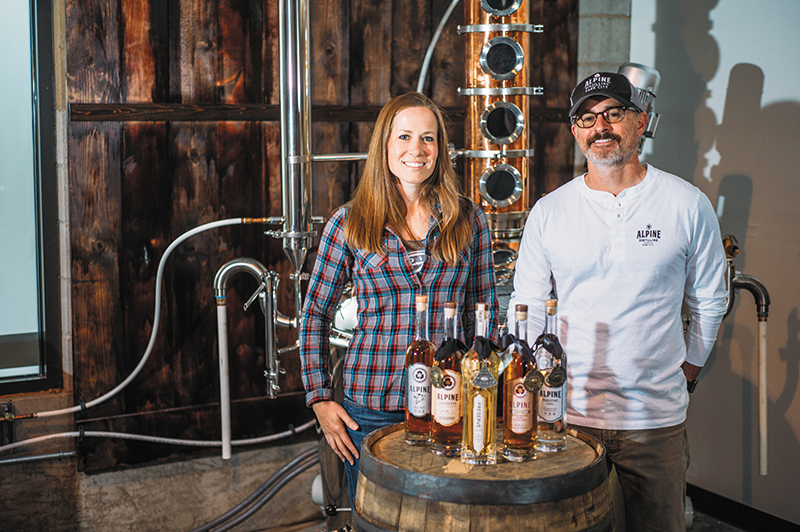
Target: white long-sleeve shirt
(621, 268)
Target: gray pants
(651, 465)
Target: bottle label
(484, 379)
(521, 407)
(446, 401)
(418, 392)
(551, 403)
(478, 423)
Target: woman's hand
(332, 418)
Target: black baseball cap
(608, 84)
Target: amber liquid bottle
(552, 411)
(419, 357)
(520, 396)
(446, 401)
(480, 372)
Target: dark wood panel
(410, 35)
(250, 418)
(330, 53)
(93, 69)
(556, 64)
(447, 71)
(371, 58)
(93, 62)
(154, 112)
(138, 52)
(97, 313)
(174, 123)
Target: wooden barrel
(407, 488)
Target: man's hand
(332, 418)
(691, 371)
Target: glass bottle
(552, 362)
(479, 371)
(419, 357)
(520, 399)
(446, 403)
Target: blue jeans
(368, 420)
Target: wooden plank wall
(173, 124)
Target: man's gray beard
(610, 160)
(615, 158)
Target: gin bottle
(446, 401)
(480, 370)
(419, 357)
(552, 362)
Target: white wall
(730, 105)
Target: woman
(407, 231)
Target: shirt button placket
(617, 225)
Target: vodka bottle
(479, 371)
(446, 401)
(552, 362)
(419, 356)
(520, 400)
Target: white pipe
(156, 315)
(157, 439)
(763, 398)
(435, 39)
(224, 380)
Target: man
(623, 247)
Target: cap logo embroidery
(597, 82)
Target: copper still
(498, 142)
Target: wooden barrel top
(416, 471)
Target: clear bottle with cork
(419, 357)
(522, 381)
(480, 370)
(446, 399)
(552, 362)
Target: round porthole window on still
(502, 58)
(501, 185)
(500, 8)
(502, 122)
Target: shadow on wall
(687, 58)
(747, 161)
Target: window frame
(47, 210)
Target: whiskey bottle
(419, 357)
(479, 371)
(446, 403)
(521, 393)
(552, 362)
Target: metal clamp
(478, 28)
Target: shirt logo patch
(648, 236)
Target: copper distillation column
(498, 148)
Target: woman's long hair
(377, 201)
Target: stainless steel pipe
(295, 112)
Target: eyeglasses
(588, 118)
